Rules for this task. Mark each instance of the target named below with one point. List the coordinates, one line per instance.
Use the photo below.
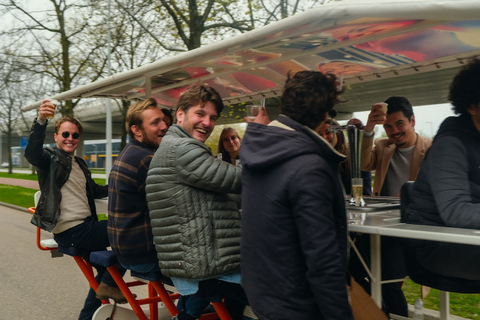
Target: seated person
(229, 145)
(396, 160)
(447, 189)
(67, 204)
(129, 227)
(168, 117)
(195, 219)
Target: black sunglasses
(66, 134)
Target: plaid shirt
(129, 228)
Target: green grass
(21, 196)
(99, 170)
(25, 176)
(18, 176)
(462, 305)
(18, 196)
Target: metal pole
(108, 129)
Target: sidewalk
(20, 183)
(29, 171)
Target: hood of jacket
(265, 146)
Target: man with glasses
(66, 206)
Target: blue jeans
(89, 236)
(192, 305)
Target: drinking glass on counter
(357, 191)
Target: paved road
(32, 284)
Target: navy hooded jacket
(294, 235)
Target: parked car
(4, 165)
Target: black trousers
(91, 235)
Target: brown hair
(71, 119)
(199, 94)
(341, 145)
(221, 148)
(134, 114)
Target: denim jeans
(91, 235)
(192, 305)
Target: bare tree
(58, 47)
(13, 92)
(280, 9)
(194, 20)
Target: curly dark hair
(308, 96)
(464, 87)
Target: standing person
(396, 160)
(196, 222)
(67, 206)
(447, 190)
(229, 145)
(294, 229)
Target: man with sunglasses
(66, 206)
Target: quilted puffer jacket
(195, 220)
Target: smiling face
(198, 121)
(231, 142)
(400, 130)
(153, 128)
(69, 144)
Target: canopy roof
(380, 48)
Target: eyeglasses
(66, 134)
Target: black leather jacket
(53, 170)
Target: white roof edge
(335, 11)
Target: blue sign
(23, 142)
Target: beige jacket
(378, 158)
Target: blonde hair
(221, 148)
(134, 114)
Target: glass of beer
(384, 107)
(357, 191)
(54, 103)
(252, 111)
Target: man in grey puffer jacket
(194, 214)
